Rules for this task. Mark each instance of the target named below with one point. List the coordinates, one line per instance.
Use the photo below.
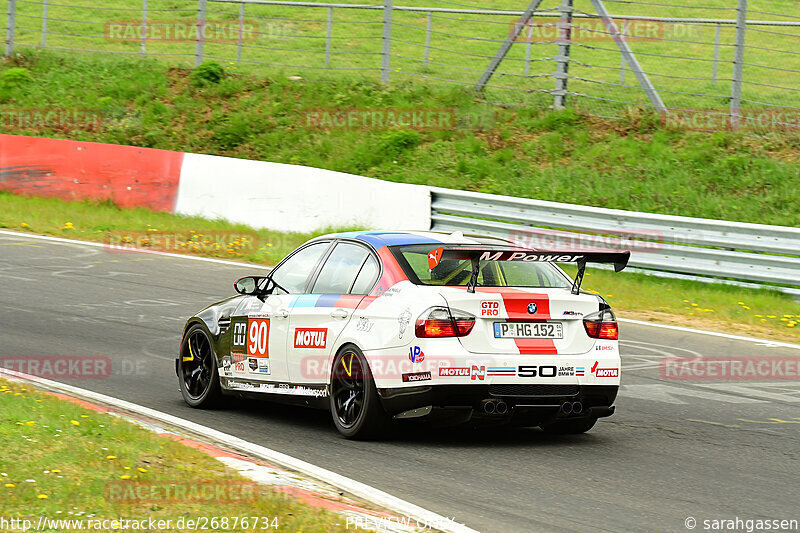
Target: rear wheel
(198, 377)
(569, 427)
(355, 405)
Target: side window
(293, 274)
(340, 269)
(367, 277)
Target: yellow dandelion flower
(10, 485)
(30, 423)
(125, 476)
(56, 471)
(111, 456)
(17, 394)
(42, 496)
(142, 470)
(745, 307)
(740, 303)
(694, 305)
(84, 416)
(74, 422)
(126, 467)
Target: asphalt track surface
(707, 450)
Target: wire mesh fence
(709, 66)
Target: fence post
(45, 5)
(506, 46)
(428, 38)
(630, 58)
(144, 28)
(201, 32)
(625, 32)
(11, 23)
(528, 49)
(562, 61)
(738, 64)
(328, 38)
(241, 34)
(716, 54)
(387, 41)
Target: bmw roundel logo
(532, 308)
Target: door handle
(282, 313)
(340, 313)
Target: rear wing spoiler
(526, 255)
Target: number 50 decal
(258, 337)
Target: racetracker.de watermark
(172, 492)
(730, 368)
(607, 239)
(220, 31)
(766, 119)
(59, 366)
(54, 118)
(233, 242)
(552, 30)
(397, 118)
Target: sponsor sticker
(604, 372)
(311, 338)
(415, 354)
(416, 376)
(434, 257)
(490, 308)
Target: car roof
(378, 239)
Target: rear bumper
(542, 399)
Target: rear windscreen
(454, 272)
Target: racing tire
(569, 427)
(198, 376)
(355, 406)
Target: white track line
(765, 342)
(434, 521)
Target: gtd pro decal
(537, 371)
(490, 308)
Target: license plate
(528, 330)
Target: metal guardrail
(674, 246)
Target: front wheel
(569, 427)
(355, 406)
(197, 370)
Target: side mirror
(248, 285)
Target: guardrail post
(45, 6)
(328, 38)
(738, 64)
(387, 41)
(241, 34)
(11, 26)
(144, 28)
(562, 61)
(201, 32)
(716, 53)
(528, 49)
(428, 38)
(506, 46)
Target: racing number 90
(258, 337)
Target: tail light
(601, 325)
(444, 322)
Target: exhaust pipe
(488, 407)
(566, 408)
(501, 408)
(577, 408)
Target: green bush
(207, 73)
(14, 77)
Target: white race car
(378, 326)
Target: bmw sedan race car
(378, 326)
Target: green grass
(463, 45)
(761, 313)
(632, 163)
(62, 460)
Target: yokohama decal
(310, 338)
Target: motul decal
(604, 372)
(310, 337)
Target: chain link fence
(719, 64)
